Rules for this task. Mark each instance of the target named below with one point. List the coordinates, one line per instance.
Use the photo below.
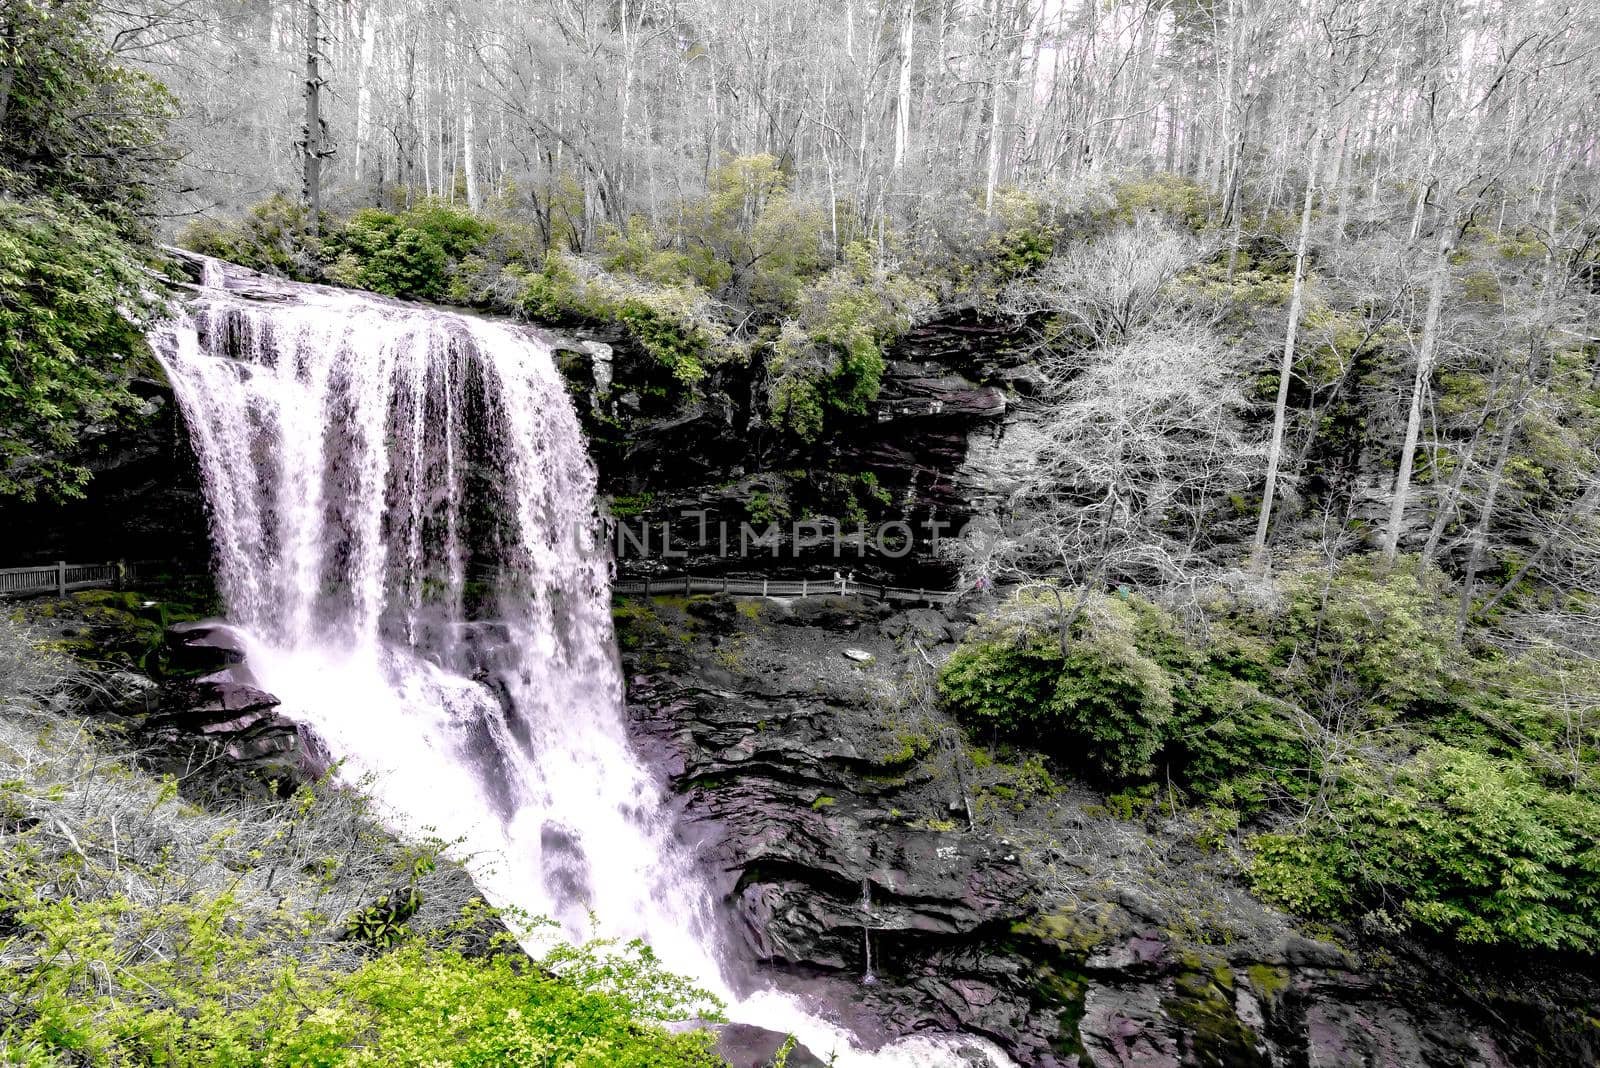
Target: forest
(1290, 538)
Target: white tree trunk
(902, 122)
(1419, 385)
(1280, 410)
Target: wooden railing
(688, 585)
(62, 577)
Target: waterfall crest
(403, 518)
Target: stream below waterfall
(403, 519)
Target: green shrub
(663, 327)
(1377, 634)
(273, 237)
(69, 284)
(748, 240)
(1181, 199)
(412, 254)
(1101, 708)
(828, 358)
(551, 294)
(1456, 842)
(74, 123)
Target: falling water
(403, 516)
(868, 977)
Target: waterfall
(403, 518)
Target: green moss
(1268, 980)
(1211, 1028)
(625, 506)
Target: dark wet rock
(1125, 1027)
(748, 1046)
(144, 501)
(224, 729)
(828, 839)
(203, 647)
(1302, 952)
(1142, 953)
(925, 625)
(835, 613)
(718, 613)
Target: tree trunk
(1419, 385)
(1280, 410)
(902, 122)
(313, 141)
(469, 138)
(1480, 532)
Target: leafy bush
(1101, 707)
(1180, 199)
(69, 284)
(675, 324)
(1456, 842)
(412, 254)
(748, 240)
(664, 324)
(274, 237)
(828, 358)
(74, 121)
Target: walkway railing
(61, 577)
(688, 585)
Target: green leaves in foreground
(70, 288)
(223, 996)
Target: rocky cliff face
(688, 475)
(831, 801)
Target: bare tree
(1110, 288)
(1133, 451)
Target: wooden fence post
(763, 587)
(804, 583)
(687, 590)
(647, 587)
(61, 578)
(122, 574)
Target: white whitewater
(403, 514)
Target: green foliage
(551, 294)
(1377, 635)
(1387, 773)
(828, 358)
(748, 240)
(413, 254)
(73, 122)
(1180, 199)
(1100, 708)
(273, 237)
(1025, 237)
(663, 324)
(69, 284)
(1455, 841)
(82, 142)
